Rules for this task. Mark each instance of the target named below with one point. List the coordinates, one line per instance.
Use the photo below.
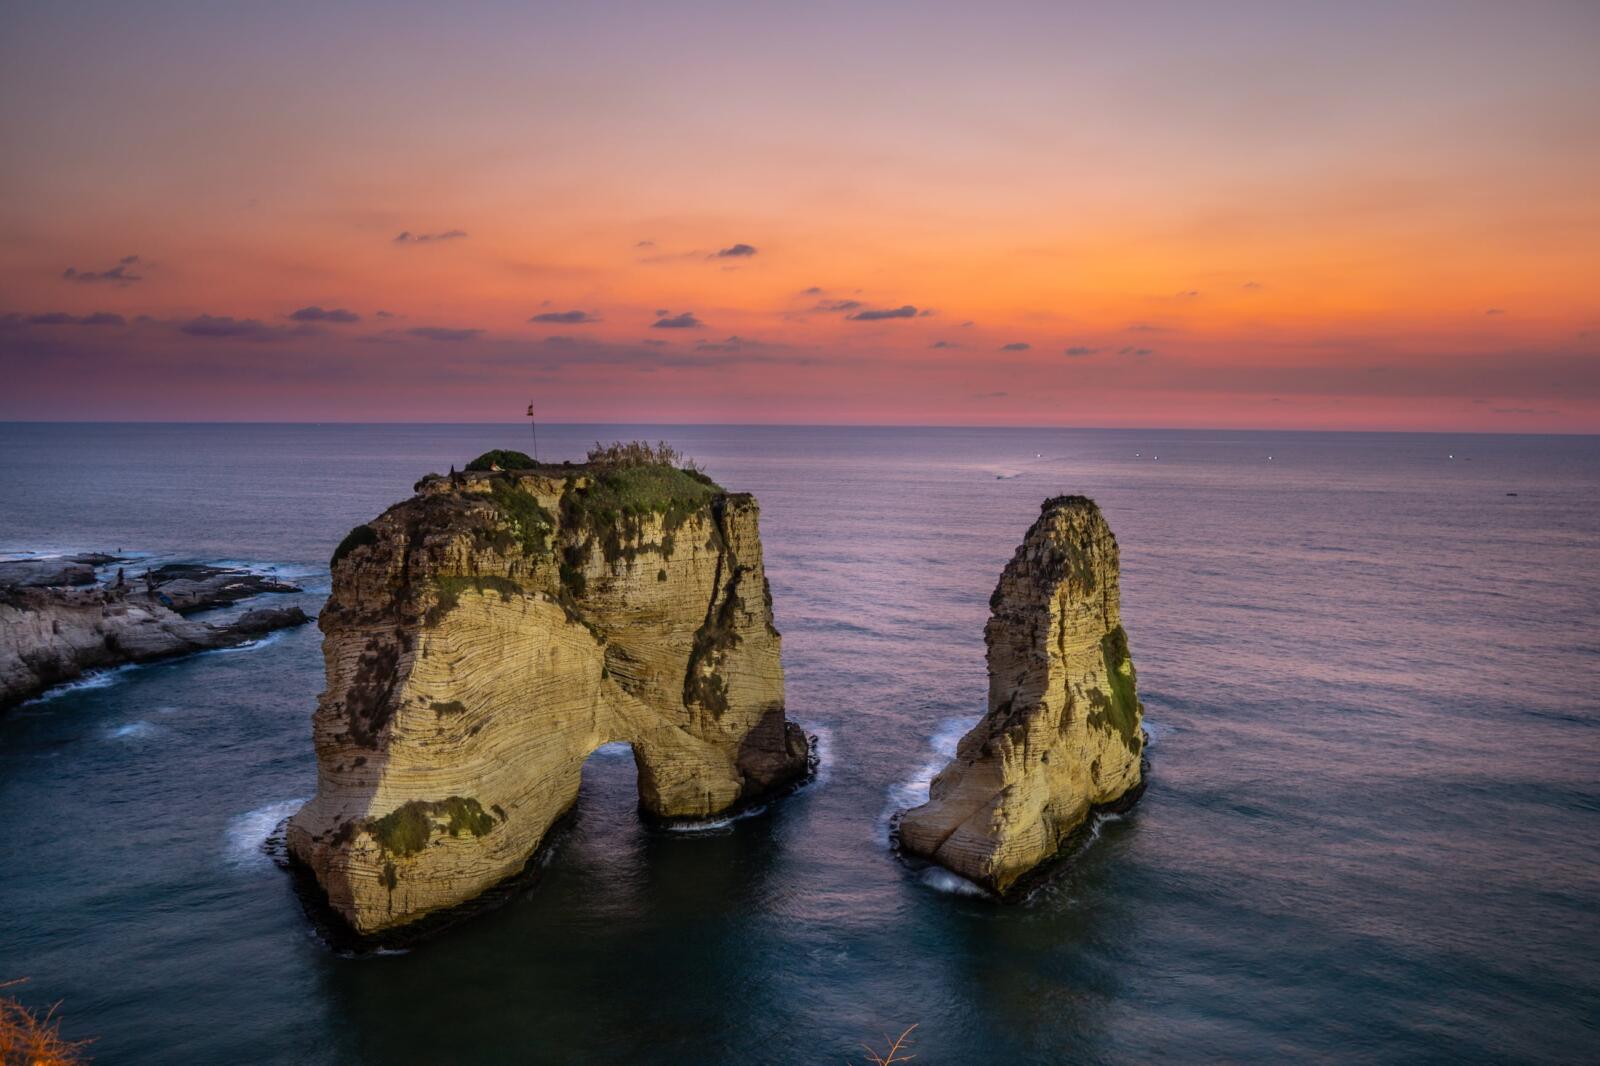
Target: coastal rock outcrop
(58, 622)
(1063, 734)
(485, 636)
(52, 571)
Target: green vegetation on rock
(573, 581)
(450, 589)
(1121, 712)
(704, 683)
(360, 537)
(614, 502)
(521, 508)
(406, 829)
(502, 459)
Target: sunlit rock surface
(485, 636)
(1063, 733)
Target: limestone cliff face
(1063, 733)
(485, 636)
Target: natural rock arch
(486, 636)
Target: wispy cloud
(877, 315)
(407, 237)
(732, 344)
(121, 274)
(944, 344)
(1080, 350)
(838, 305)
(443, 333)
(683, 321)
(226, 327)
(1495, 311)
(1016, 346)
(320, 314)
(1131, 350)
(568, 318)
(736, 251)
(61, 318)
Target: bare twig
(26, 1039)
(891, 1054)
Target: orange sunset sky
(1276, 215)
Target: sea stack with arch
(485, 636)
(1064, 733)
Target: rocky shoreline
(60, 621)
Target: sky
(1364, 216)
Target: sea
(1370, 668)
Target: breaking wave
(99, 679)
(942, 880)
(715, 825)
(913, 792)
(245, 841)
(134, 731)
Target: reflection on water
(1372, 832)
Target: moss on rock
(448, 591)
(407, 829)
(526, 516)
(613, 503)
(1120, 713)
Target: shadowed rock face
(485, 636)
(1063, 734)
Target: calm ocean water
(1372, 834)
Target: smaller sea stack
(1063, 734)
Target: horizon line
(808, 425)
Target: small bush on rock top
(502, 459)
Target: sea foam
(245, 840)
(134, 731)
(98, 679)
(913, 792)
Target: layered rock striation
(1063, 734)
(485, 636)
(58, 621)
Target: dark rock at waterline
(188, 587)
(265, 619)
